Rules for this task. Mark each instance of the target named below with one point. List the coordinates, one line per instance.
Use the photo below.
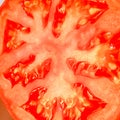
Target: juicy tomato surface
(60, 59)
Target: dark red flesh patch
(17, 74)
(111, 63)
(115, 41)
(105, 37)
(109, 54)
(97, 4)
(103, 72)
(80, 109)
(102, 6)
(39, 108)
(34, 97)
(36, 106)
(10, 35)
(44, 68)
(59, 18)
(43, 5)
(62, 9)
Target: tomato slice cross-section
(59, 59)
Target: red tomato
(59, 60)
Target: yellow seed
(70, 102)
(16, 70)
(116, 80)
(33, 103)
(92, 11)
(83, 21)
(112, 66)
(27, 3)
(39, 108)
(78, 113)
(108, 35)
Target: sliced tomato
(59, 60)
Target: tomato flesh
(56, 54)
(72, 108)
(16, 74)
(30, 5)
